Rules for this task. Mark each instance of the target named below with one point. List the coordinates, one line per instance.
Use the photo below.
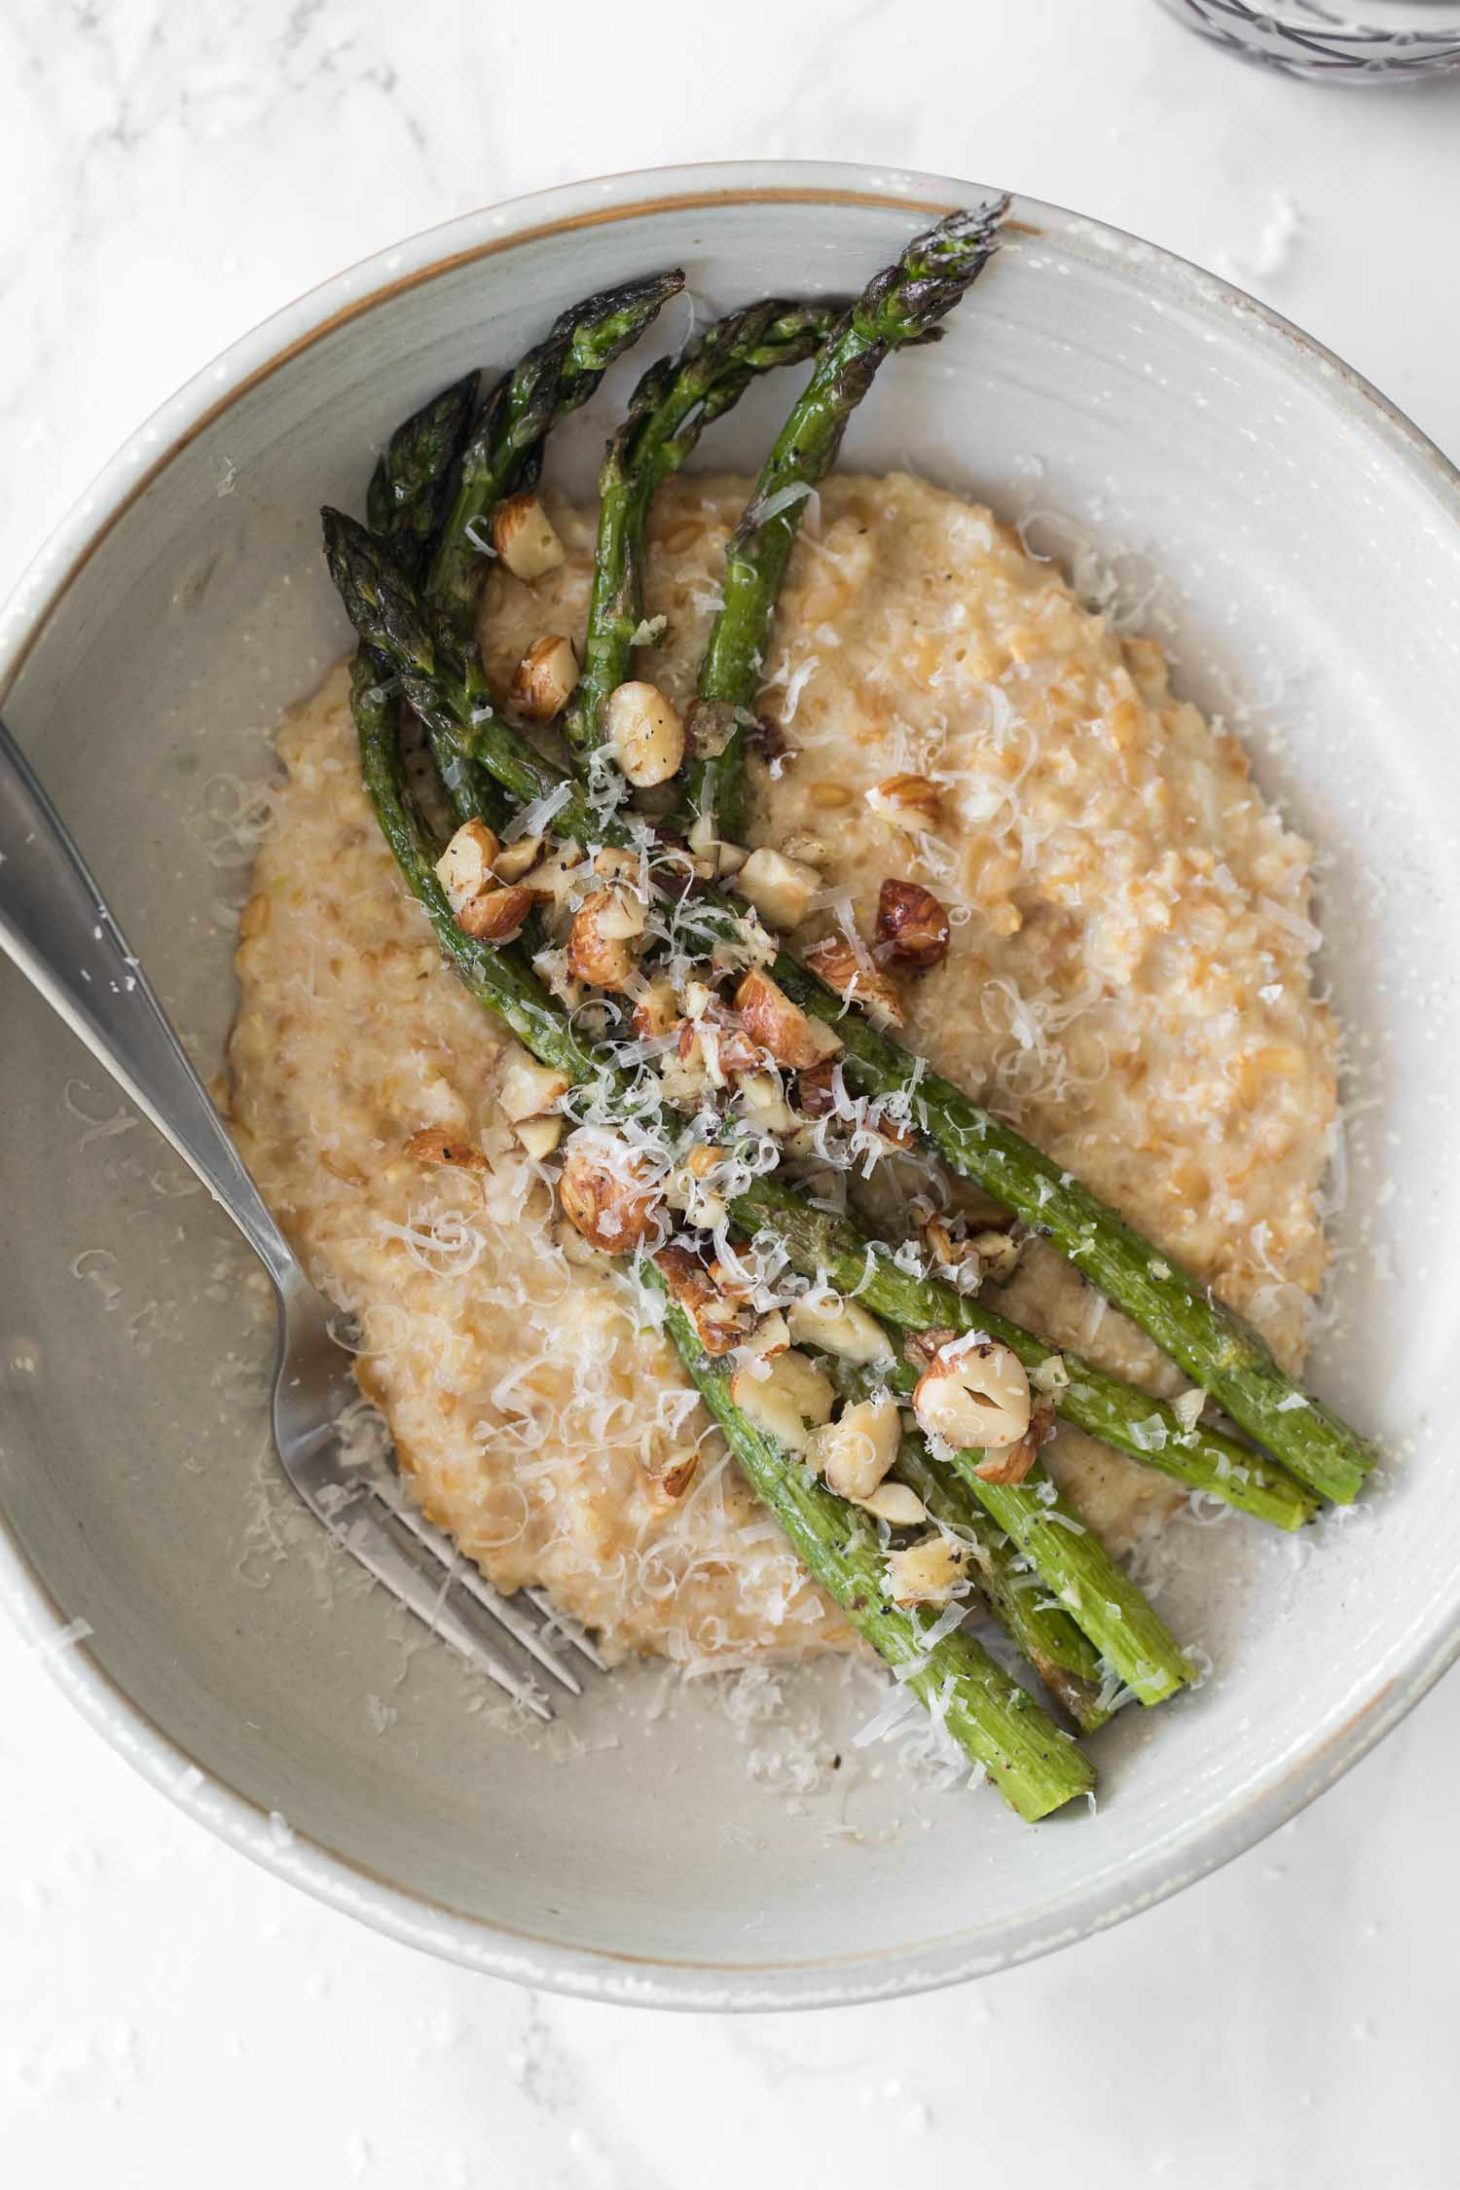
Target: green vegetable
(901, 306)
(668, 411)
(1217, 1349)
(504, 452)
(1147, 1429)
(1035, 1767)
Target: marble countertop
(170, 173)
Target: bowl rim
(477, 1942)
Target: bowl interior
(1300, 555)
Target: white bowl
(1309, 541)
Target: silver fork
(57, 927)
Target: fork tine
(365, 1531)
(471, 1578)
(575, 1636)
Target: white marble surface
(170, 171)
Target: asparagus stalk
(1147, 1429)
(406, 506)
(668, 411)
(1060, 1652)
(412, 480)
(504, 451)
(996, 1722)
(499, 980)
(901, 306)
(1210, 1341)
(1071, 1561)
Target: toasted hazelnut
(816, 1092)
(999, 1253)
(788, 1401)
(691, 1187)
(973, 1395)
(931, 1571)
(524, 537)
(912, 927)
(958, 1260)
(646, 733)
(857, 979)
(710, 727)
(780, 889)
(496, 916)
(780, 1027)
(656, 1011)
(433, 1146)
(913, 802)
(673, 1474)
(840, 1327)
(720, 1324)
(556, 877)
(529, 1089)
(854, 1453)
(464, 869)
(896, 1503)
(721, 1045)
(518, 859)
(543, 681)
(601, 939)
(606, 1192)
(769, 1337)
(762, 1103)
(538, 1137)
(1011, 1463)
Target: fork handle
(58, 928)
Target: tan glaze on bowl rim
(493, 1948)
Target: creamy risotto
(1128, 981)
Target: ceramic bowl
(1295, 542)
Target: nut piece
(543, 681)
(854, 1453)
(538, 1137)
(762, 1103)
(788, 1401)
(913, 802)
(433, 1146)
(973, 1395)
(673, 1473)
(497, 915)
(523, 535)
(646, 733)
(897, 1504)
(657, 1011)
(607, 1193)
(780, 1027)
(912, 927)
(816, 1090)
(930, 1571)
(1011, 1463)
(857, 979)
(780, 889)
(528, 1089)
(518, 858)
(957, 1260)
(601, 939)
(999, 1254)
(838, 1327)
(464, 869)
(720, 1324)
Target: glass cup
(1341, 41)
